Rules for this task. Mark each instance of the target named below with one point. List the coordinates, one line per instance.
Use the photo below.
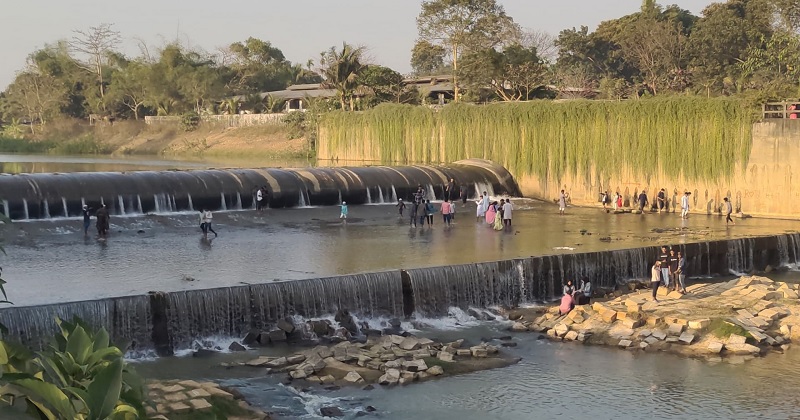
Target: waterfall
(139, 204)
(64, 205)
(25, 209)
(121, 205)
(302, 200)
(46, 209)
(238, 201)
(222, 205)
(191, 205)
(340, 197)
(431, 194)
(5, 209)
(380, 196)
(369, 196)
(394, 195)
(783, 250)
(794, 249)
(740, 256)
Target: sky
(300, 28)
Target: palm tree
(341, 70)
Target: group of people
(572, 296)
(497, 215)
(668, 271)
(422, 210)
(103, 219)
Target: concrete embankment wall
(168, 321)
(764, 186)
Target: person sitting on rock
(569, 288)
(567, 303)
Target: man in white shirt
(685, 205)
(259, 198)
(507, 214)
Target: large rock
(346, 320)
(632, 323)
(277, 363)
(561, 330)
(715, 347)
(391, 377)
(409, 343)
(435, 370)
(448, 357)
(295, 359)
(237, 347)
(519, 327)
(415, 365)
(675, 329)
(609, 316)
(571, 336)
(625, 343)
(686, 338)
(331, 412)
(735, 339)
(743, 348)
(285, 325)
(316, 362)
(479, 351)
(321, 327)
(699, 324)
(277, 336)
(251, 337)
(659, 335)
(353, 377)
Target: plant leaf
(79, 344)
(40, 393)
(101, 339)
(105, 389)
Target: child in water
(401, 206)
(343, 215)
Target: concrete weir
(165, 322)
(43, 196)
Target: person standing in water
(87, 219)
(259, 199)
(429, 212)
(728, 211)
(446, 211)
(207, 217)
(463, 194)
(400, 206)
(507, 208)
(450, 190)
(343, 213)
(413, 214)
(662, 200)
(203, 222)
(422, 212)
(452, 211)
(562, 202)
(685, 205)
(479, 212)
(643, 201)
(103, 221)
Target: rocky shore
(177, 400)
(733, 321)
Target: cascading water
(238, 201)
(369, 196)
(431, 194)
(394, 195)
(25, 207)
(121, 202)
(302, 200)
(381, 200)
(740, 256)
(46, 210)
(64, 207)
(222, 204)
(139, 204)
(5, 209)
(191, 205)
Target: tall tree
(341, 69)
(96, 43)
(427, 58)
(463, 25)
(658, 49)
(129, 86)
(512, 74)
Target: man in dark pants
(728, 211)
(87, 219)
(663, 257)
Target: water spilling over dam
(44, 196)
(169, 321)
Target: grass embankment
(698, 138)
(71, 137)
(723, 329)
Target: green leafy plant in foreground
(79, 376)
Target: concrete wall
(763, 188)
(238, 120)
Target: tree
(658, 49)
(341, 70)
(464, 25)
(96, 43)
(129, 86)
(36, 96)
(513, 74)
(384, 85)
(427, 58)
(258, 67)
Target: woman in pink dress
(490, 213)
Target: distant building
(437, 89)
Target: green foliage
(692, 137)
(20, 145)
(80, 376)
(190, 121)
(342, 69)
(723, 329)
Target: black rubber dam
(43, 196)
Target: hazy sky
(300, 28)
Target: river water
(50, 261)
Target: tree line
(737, 47)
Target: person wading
(728, 211)
(685, 205)
(87, 219)
(103, 221)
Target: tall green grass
(80, 146)
(698, 138)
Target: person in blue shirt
(87, 216)
(343, 214)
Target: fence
(238, 120)
(786, 109)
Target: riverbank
(138, 138)
(737, 320)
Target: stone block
(653, 320)
(277, 336)
(789, 294)
(329, 379)
(415, 365)
(561, 330)
(409, 343)
(675, 295)
(609, 316)
(435, 370)
(277, 363)
(773, 295)
(644, 334)
(761, 322)
(715, 347)
(552, 332)
(200, 404)
(175, 397)
(599, 307)
(662, 292)
(742, 348)
(576, 316)
(632, 323)
(519, 327)
(735, 339)
(198, 393)
(190, 384)
(643, 345)
(179, 408)
(353, 377)
(572, 335)
(172, 388)
(699, 324)
(672, 340)
(659, 335)
(463, 352)
(479, 351)
(686, 338)
(625, 343)
(675, 329)
(295, 359)
(391, 377)
(757, 335)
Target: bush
(190, 121)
